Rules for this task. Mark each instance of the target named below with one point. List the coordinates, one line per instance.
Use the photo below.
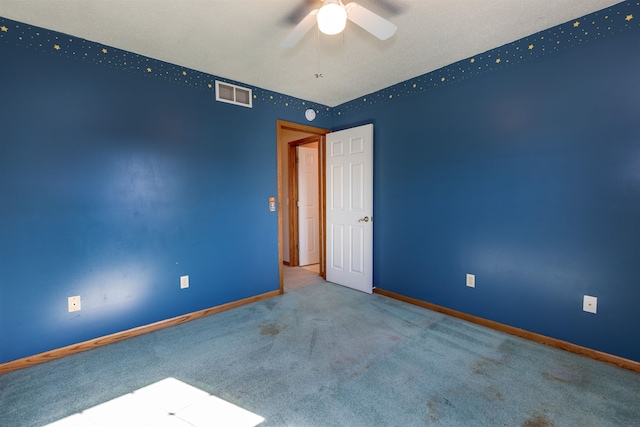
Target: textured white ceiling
(238, 39)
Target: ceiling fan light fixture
(332, 18)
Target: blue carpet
(325, 355)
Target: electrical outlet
(590, 304)
(471, 280)
(184, 282)
(74, 303)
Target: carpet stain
(566, 374)
(493, 394)
(481, 366)
(357, 373)
(270, 329)
(508, 348)
(435, 405)
(427, 323)
(433, 411)
(314, 339)
(538, 420)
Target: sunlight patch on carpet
(169, 402)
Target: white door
(350, 208)
(308, 210)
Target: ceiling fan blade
(375, 24)
(392, 7)
(300, 30)
(300, 11)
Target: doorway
(303, 202)
(289, 137)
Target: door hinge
(297, 159)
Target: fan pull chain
(318, 74)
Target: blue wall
(527, 177)
(113, 184)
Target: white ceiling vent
(233, 94)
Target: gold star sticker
(210, 85)
(184, 73)
(414, 85)
(473, 60)
(148, 69)
(628, 18)
(576, 24)
(498, 61)
(56, 47)
(104, 50)
(442, 79)
(530, 47)
(4, 29)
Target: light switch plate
(590, 304)
(471, 280)
(184, 282)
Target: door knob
(365, 219)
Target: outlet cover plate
(74, 303)
(471, 280)
(590, 304)
(184, 282)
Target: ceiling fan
(332, 19)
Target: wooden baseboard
(532, 336)
(119, 336)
